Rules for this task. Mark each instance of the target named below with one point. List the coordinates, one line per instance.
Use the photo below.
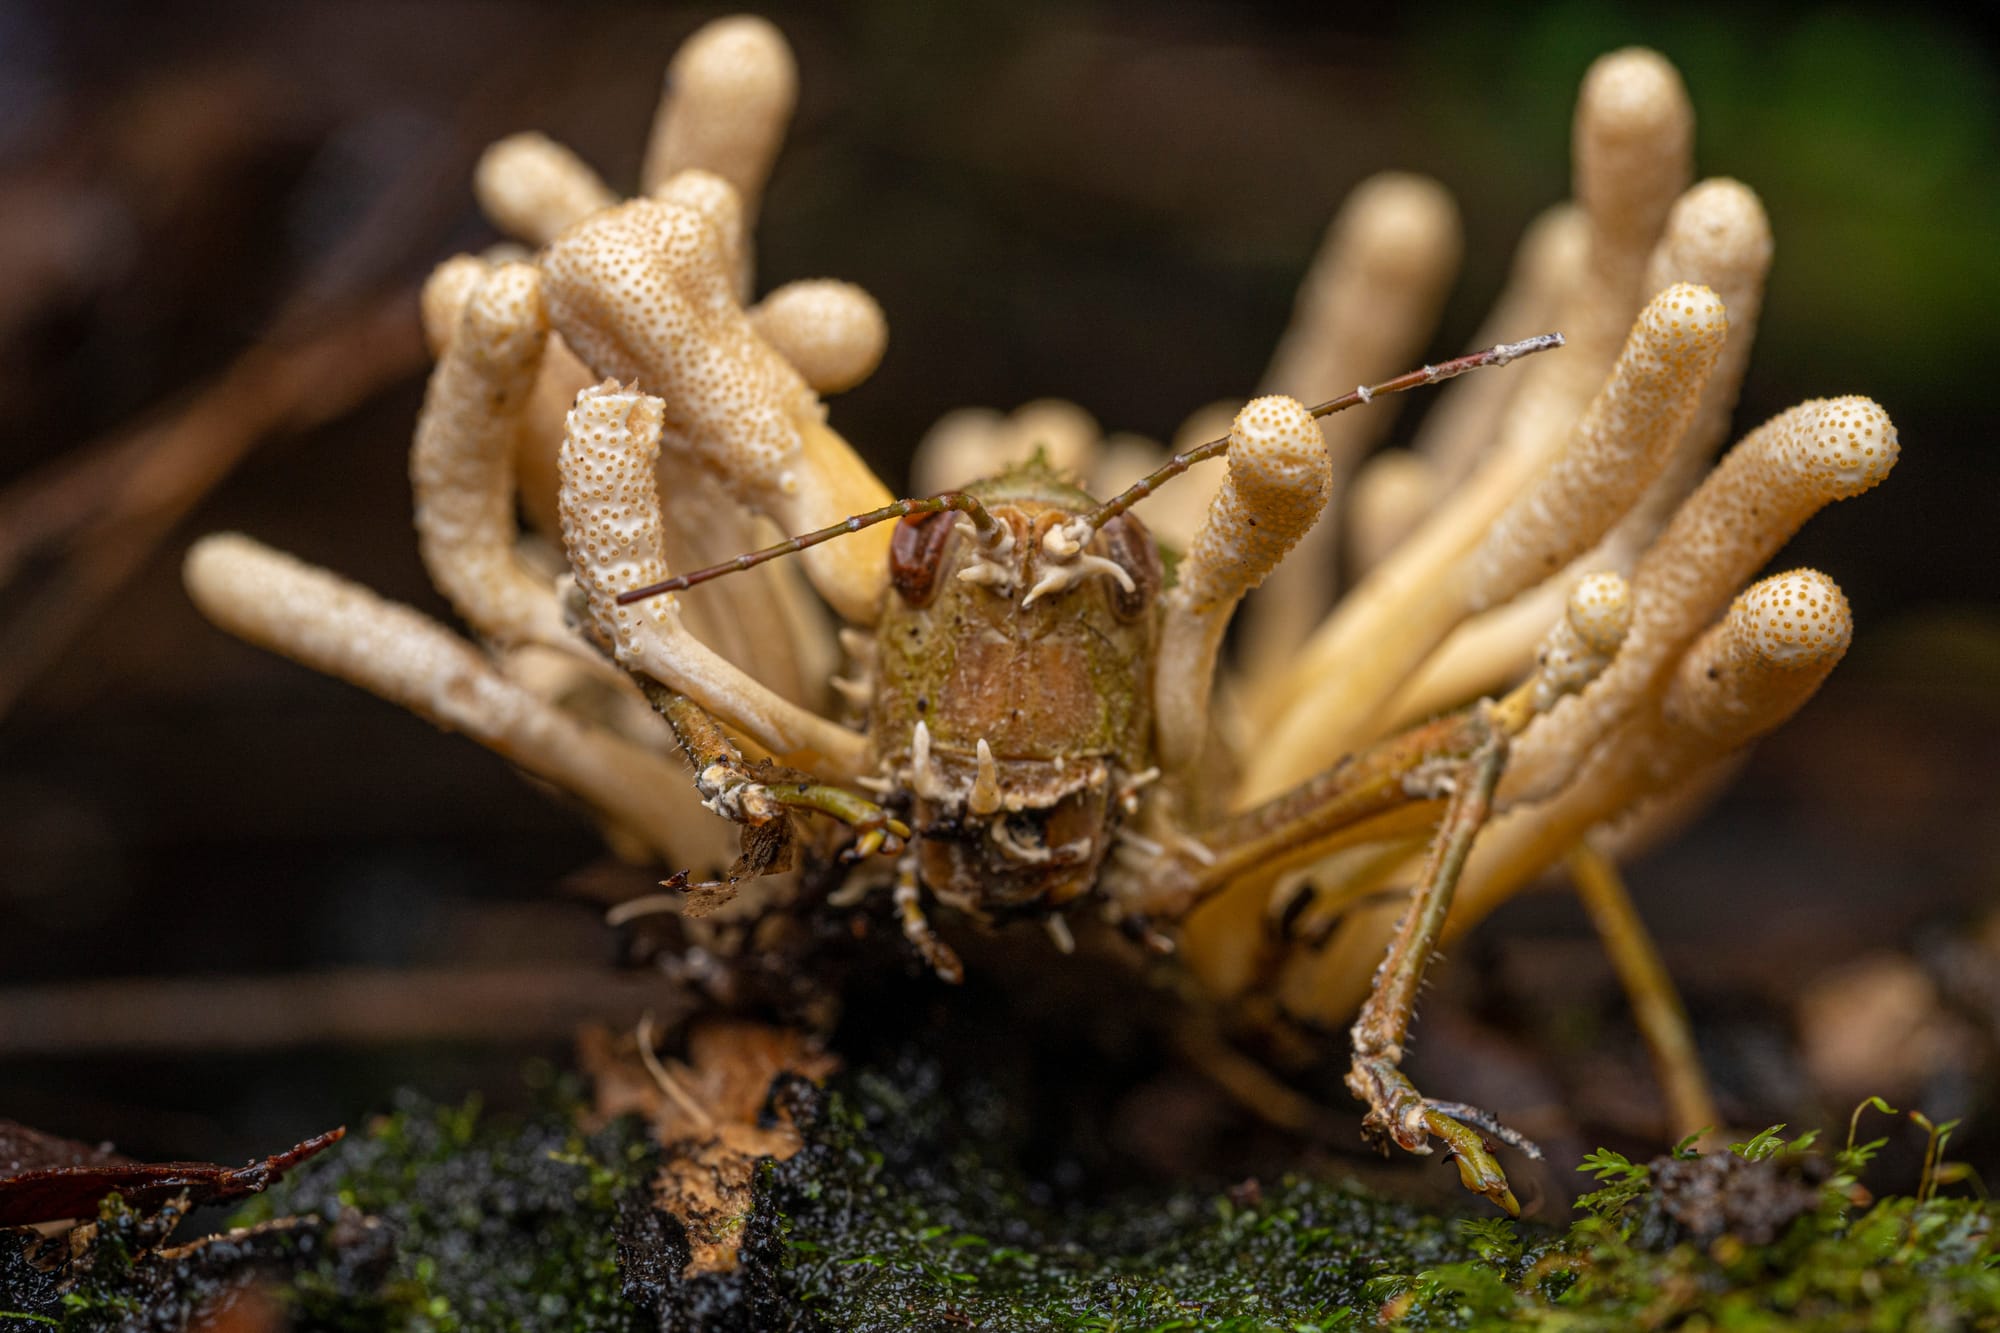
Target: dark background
(1105, 202)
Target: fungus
(532, 187)
(1761, 493)
(1278, 482)
(639, 292)
(1363, 312)
(729, 95)
(461, 464)
(832, 332)
(337, 627)
(1613, 452)
(614, 532)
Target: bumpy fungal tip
(741, 58)
(1793, 620)
(610, 510)
(1845, 445)
(1633, 95)
(711, 196)
(1600, 611)
(1683, 329)
(1278, 462)
(1406, 225)
(1279, 478)
(532, 187)
(443, 299)
(833, 333)
(1717, 229)
(506, 319)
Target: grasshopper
(1011, 709)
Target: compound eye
(916, 555)
(1127, 542)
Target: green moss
(909, 1208)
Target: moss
(909, 1208)
(495, 1225)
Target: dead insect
(1030, 678)
(1020, 759)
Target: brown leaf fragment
(713, 1113)
(53, 1190)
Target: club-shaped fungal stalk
(325, 622)
(1717, 235)
(1548, 261)
(1278, 483)
(1389, 496)
(718, 202)
(1615, 450)
(1630, 156)
(832, 332)
(1756, 498)
(1743, 677)
(728, 100)
(641, 294)
(1364, 311)
(462, 462)
(615, 537)
(531, 187)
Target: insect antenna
(1497, 355)
(961, 501)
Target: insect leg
(1397, 1112)
(760, 797)
(917, 928)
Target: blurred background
(240, 902)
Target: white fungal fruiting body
(1278, 483)
(532, 187)
(342, 629)
(615, 536)
(1745, 676)
(1615, 450)
(1366, 650)
(640, 294)
(1756, 498)
(1368, 302)
(832, 332)
(729, 96)
(1594, 624)
(462, 461)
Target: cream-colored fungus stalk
(327, 623)
(640, 293)
(832, 332)
(1548, 262)
(1630, 156)
(1389, 496)
(1761, 493)
(1363, 313)
(614, 533)
(1743, 677)
(729, 96)
(462, 462)
(1612, 455)
(1278, 482)
(1717, 235)
(1317, 985)
(531, 187)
